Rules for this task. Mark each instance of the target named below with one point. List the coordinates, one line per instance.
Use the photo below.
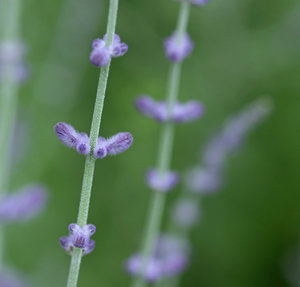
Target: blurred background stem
(9, 33)
(164, 154)
(90, 159)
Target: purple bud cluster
(12, 62)
(158, 110)
(81, 142)
(177, 49)
(23, 205)
(79, 237)
(102, 54)
(170, 257)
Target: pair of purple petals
(81, 142)
(24, 204)
(171, 257)
(79, 237)
(102, 54)
(158, 110)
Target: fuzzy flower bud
(24, 204)
(83, 144)
(79, 237)
(66, 134)
(113, 145)
(178, 49)
(162, 182)
(182, 113)
(101, 54)
(199, 2)
(9, 279)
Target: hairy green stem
(157, 204)
(9, 33)
(90, 159)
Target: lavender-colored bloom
(185, 213)
(170, 257)
(177, 49)
(83, 144)
(9, 279)
(187, 112)
(113, 145)
(24, 204)
(153, 271)
(101, 54)
(203, 180)
(66, 134)
(162, 182)
(79, 237)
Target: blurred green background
(244, 49)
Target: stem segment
(9, 33)
(164, 155)
(90, 159)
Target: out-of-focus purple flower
(79, 237)
(162, 182)
(170, 257)
(185, 213)
(113, 145)
(83, 144)
(178, 48)
(153, 271)
(181, 113)
(199, 2)
(24, 204)
(203, 180)
(233, 133)
(12, 63)
(9, 279)
(101, 54)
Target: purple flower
(178, 48)
(162, 182)
(185, 213)
(153, 271)
(170, 257)
(101, 54)
(66, 134)
(113, 145)
(79, 237)
(24, 204)
(201, 180)
(83, 144)
(187, 112)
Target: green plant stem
(9, 33)
(157, 204)
(90, 159)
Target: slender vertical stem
(9, 33)
(90, 159)
(155, 214)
